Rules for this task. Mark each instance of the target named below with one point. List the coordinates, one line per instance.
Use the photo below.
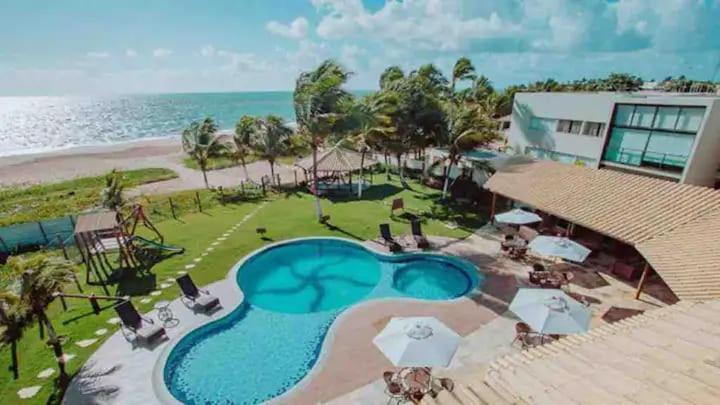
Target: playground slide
(160, 246)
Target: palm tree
(200, 142)
(469, 128)
(41, 277)
(320, 103)
(390, 75)
(270, 140)
(13, 321)
(241, 140)
(111, 195)
(463, 70)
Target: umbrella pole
(492, 207)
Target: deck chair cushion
(206, 301)
(149, 331)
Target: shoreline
(89, 160)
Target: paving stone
(197, 259)
(155, 293)
(85, 343)
(165, 285)
(46, 373)
(68, 356)
(204, 254)
(210, 249)
(101, 332)
(28, 392)
(113, 321)
(189, 266)
(181, 273)
(215, 243)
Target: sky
(68, 47)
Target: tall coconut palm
(13, 321)
(41, 277)
(469, 128)
(270, 140)
(241, 140)
(200, 142)
(389, 76)
(320, 103)
(463, 70)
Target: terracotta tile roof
(336, 159)
(688, 257)
(676, 227)
(668, 355)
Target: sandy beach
(87, 161)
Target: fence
(33, 235)
(58, 232)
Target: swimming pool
(293, 292)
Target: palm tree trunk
(447, 176)
(360, 181)
(272, 170)
(400, 167)
(318, 207)
(387, 166)
(205, 177)
(14, 359)
(242, 160)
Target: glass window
(626, 146)
(667, 117)
(535, 123)
(575, 127)
(563, 126)
(668, 149)
(594, 128)
(623, 114)
(643, 116)
(690, 118)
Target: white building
(671, 136)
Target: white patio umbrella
(417, 342)
(559, 247)
(518, 216)
(550, 311)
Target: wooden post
(296, 181)
(278, 179)
(645, 272)
(72, 221)
(64, 304)
(94, 303)
(47, 241)
(242, 188)
(197, 198)
(262, 183)
(570, 229)
(492, 207)
(172, 208)
(62, 246)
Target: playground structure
(335, 167)
(101, 233)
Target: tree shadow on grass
(373, 193)
(136, 283)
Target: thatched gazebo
(335, 167)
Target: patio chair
(522, 334)
(395, 391)
(132, 323)
(387, 238)
(195, 298)
(420, 239)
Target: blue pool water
(293, 293)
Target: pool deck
(350, 368)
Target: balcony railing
(640, 157)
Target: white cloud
(161, 53)
(297, 29)
(131, 53)
(351, 56)
(207, 51)
(98, 55)
(526, 25)
(308, 55)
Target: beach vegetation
(242, 148)
(53, 200)
(111, 197)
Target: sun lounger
(132, 323)
(195, 298)
(420, 239)
(387, 238)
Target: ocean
(38, 124)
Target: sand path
(96, 160)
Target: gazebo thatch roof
(336, 159)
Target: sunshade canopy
(556, 246)
(550, 311)
(518, 216)
(418, 342)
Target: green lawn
(285, 216)
(45, 201)
(223, 162)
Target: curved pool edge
(158, 375)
